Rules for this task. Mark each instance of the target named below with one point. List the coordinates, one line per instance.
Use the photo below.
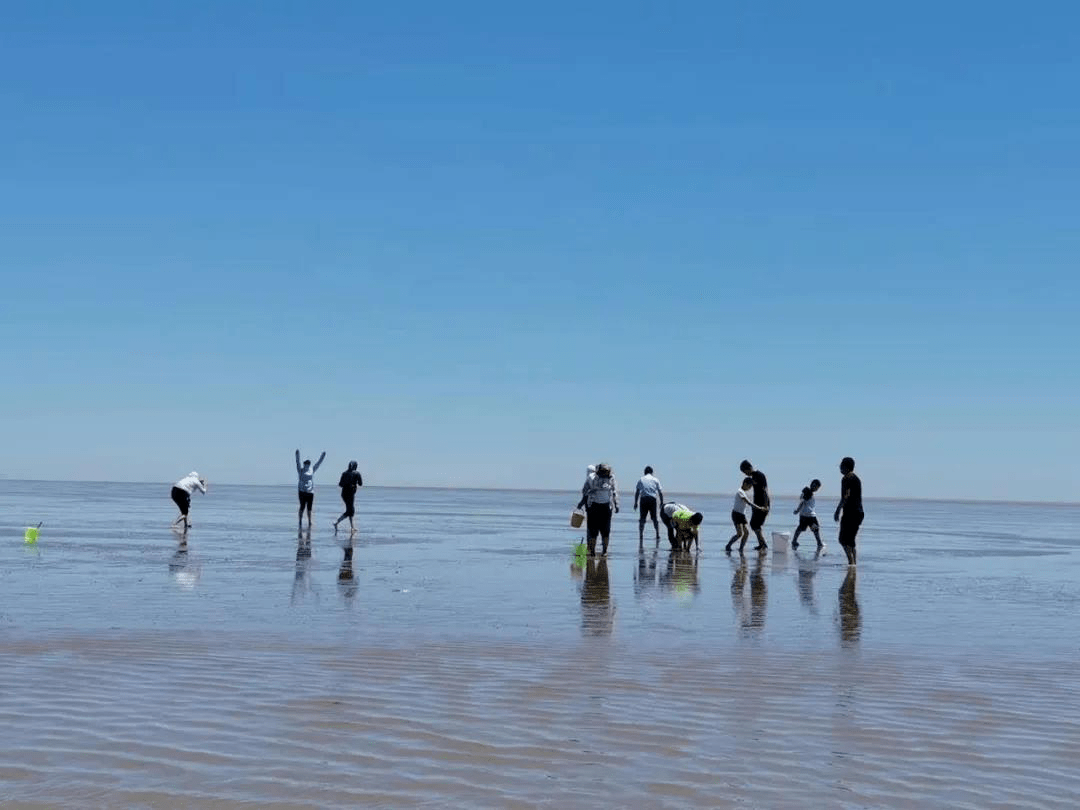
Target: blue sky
(478, 244)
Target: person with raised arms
(305, 485)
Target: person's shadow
(597, 610)
(850, 617)
(302, 579)
(645, 573)
(346, 578)
(759, 594)
(807, 572)
(681, 575)
(181, 568)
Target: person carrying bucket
(600, 497)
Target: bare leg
(817, 535)
(795, 538)
(761, 544)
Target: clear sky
(488, 243)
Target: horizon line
(543, 490)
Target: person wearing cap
(181, 495)
(600, 497)
(349, 482)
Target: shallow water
(468, 662)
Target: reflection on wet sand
(645, 573)
(681, 575)
(759, 595)
(181, 568)
(850, 618)
(597, 609)
(807, 572)
(751, 618)
(302, 580)
(346, 580)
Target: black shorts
(808, 523)
(849, 527)
(738, 518)
(306, 499)
(757, 519)
(349, 497)
(182, 499)
(647, 504)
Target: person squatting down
(682, 525)
(648, 493)
(600, 497)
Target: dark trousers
(647, 504)
(670, 529)
(599, 523)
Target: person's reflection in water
(759, 594)
(597, 611)
(850, 620)
(346, 580)
(645, 573)
(681, 576)
(738, 591)
(807, 572)
(181, 568)
(302, 581)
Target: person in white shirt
(648, 493)
(181, 495)
(306, 487)
(807, 515)
(738, 514)
(600, 497)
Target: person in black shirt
(349, 481)
(850, 507)
(761, 503)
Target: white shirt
(671, 508)
(649, 485)
(189, 483)
(742, 500)
(806, 508)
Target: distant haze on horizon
(485, 244)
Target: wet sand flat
(469, 662)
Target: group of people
(600, 500)
(349, 481)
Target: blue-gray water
(469, 662)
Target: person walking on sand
(850, 506)
(807, 515)
(181, 495)
(647, 493)
(349, 482)
(738, 514)
(761, 502)
(600, 497)
(306, 487)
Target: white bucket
(781, 541)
